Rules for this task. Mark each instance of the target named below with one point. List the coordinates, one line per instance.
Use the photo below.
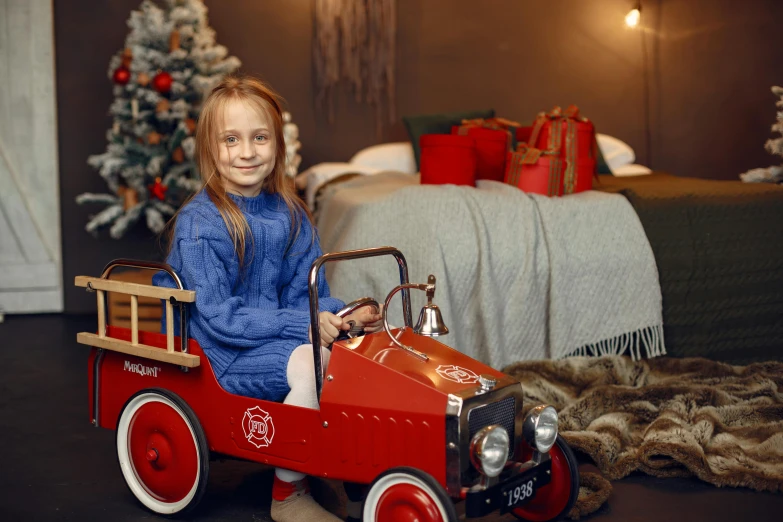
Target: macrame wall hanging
(355, 41)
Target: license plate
(518, 493)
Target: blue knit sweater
(247, 322)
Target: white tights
(300, 373)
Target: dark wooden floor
(56, 466)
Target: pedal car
(423, 425)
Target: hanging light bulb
(633, 16)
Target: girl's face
(246, 145)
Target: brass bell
(430, 319)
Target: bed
(520, 276)
(718, 246)
(717, 250)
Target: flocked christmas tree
(170, 61)
(772, 174)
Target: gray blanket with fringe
(519, 276)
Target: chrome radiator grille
(500, 412)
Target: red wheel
(407, 495)
(163, 452)
(555, 500)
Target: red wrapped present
(492, 146)
(495, 137)
(523, 134)
(565, 131)
(559, 156)
(509, 126)
(547, 172)
(448, 159)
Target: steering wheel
(348, 310)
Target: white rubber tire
(126, 463)
(383, 483)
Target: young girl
(245, 244)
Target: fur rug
(667, 417)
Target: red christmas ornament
(121, 76)
(162, 82)
(158, 190)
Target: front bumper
(497, 497)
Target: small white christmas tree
(772, 174)
(292, 145)
(169, 63)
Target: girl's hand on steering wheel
(329, 326)
(368, 317)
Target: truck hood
(447, 370)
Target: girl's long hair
(263, 98)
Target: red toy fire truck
(423, 425)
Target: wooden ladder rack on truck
(102, 284)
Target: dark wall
(694, 100)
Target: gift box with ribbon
(494, 138)
(559, 130)
(523, 134)
(547, 173)
(558, 158)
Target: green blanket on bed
(719, 250)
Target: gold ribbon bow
(490, 123)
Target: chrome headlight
(540, 428)
(489, 450)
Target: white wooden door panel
(30, 253)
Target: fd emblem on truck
(457, 374)
(258, 427)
